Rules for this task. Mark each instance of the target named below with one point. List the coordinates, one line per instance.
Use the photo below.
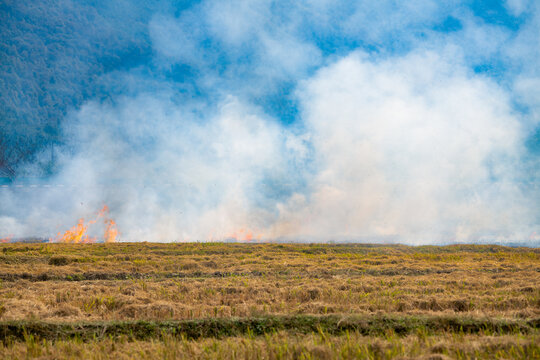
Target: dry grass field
(268, 301)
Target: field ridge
(372, 325)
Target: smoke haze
(318, 123)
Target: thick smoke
(168, 173)
(403, 144)
(414, 148)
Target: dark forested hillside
(52, 52)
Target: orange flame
(77, 234)
(243, 235)
(6, 239)
(111, 232)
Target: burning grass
(78, 234)
(210, 283)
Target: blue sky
(318, 120)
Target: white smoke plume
(416, 149)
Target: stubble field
(268, 301)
